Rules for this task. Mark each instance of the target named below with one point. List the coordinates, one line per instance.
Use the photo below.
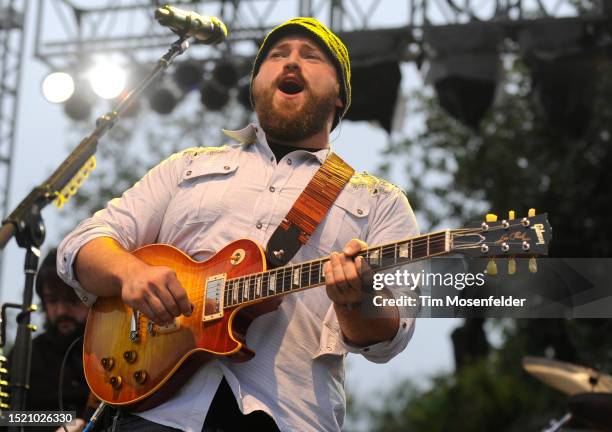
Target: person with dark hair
(65, 317)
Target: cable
(61, 377)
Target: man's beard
(289, 123)
(64, 339)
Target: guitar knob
(130, 356)
(108, 363)
(490, 217)
(115, 381)
(531, 212)
(511, 215)
(140, 376)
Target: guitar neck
(298, 277)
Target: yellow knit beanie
(324, 37)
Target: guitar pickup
(168, 328)
(213, 297)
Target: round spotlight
(57, 87)
(244, 96)
(163, 100)
(188, 75)
(214, 96)
(78, 107)
(226, 73)
(107, 80)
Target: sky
(43, 142)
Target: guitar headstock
(509, 238)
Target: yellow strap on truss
(75, 183)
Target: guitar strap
(308, 210)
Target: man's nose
(293, 61)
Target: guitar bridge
(213, 297)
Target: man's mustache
(61, 319)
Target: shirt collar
(253, 133)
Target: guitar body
(144, 372)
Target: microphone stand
(26, 224)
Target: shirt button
(272, 189)
(226, 167)
(359, 211)
(258, 225)
(289, 161)
(84, 298)
(329, 348)
(271, 158)
(403, 325)
(188, 173)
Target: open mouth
(291, 85)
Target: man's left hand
(347, 275)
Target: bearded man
(201, 199)
(65, 317)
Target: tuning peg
(533, 265)
(511, 215)
(491, 268)
(531, 212)
(490, 217)
(511, 266)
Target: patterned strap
(308, 210)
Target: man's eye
(275, 54)
(312, 56)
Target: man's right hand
(106, 269)
(155, 291)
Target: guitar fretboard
(284, 280)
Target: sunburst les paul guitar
(130, 361)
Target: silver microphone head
(206, 29)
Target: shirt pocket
(202, 189)
(346, 219)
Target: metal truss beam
(67, 29)
(12, 38)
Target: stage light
(214, 96)
(107, 80)
(226, 73)
(464, 68)
(188, 75)
(78, 107)
(564, 65)
(57, 87)
(244, 95)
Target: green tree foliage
(515, 161)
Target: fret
(387, 255)
(419, 249)
(411, 245)
(258, 282)
(395, 249)
(226, 293)
(245, 289)
(283, 281)
(428, 245)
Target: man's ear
(339, 103)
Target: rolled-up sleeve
(392, 220)
(132, 220)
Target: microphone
(206, 29)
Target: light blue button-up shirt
(201, 199)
